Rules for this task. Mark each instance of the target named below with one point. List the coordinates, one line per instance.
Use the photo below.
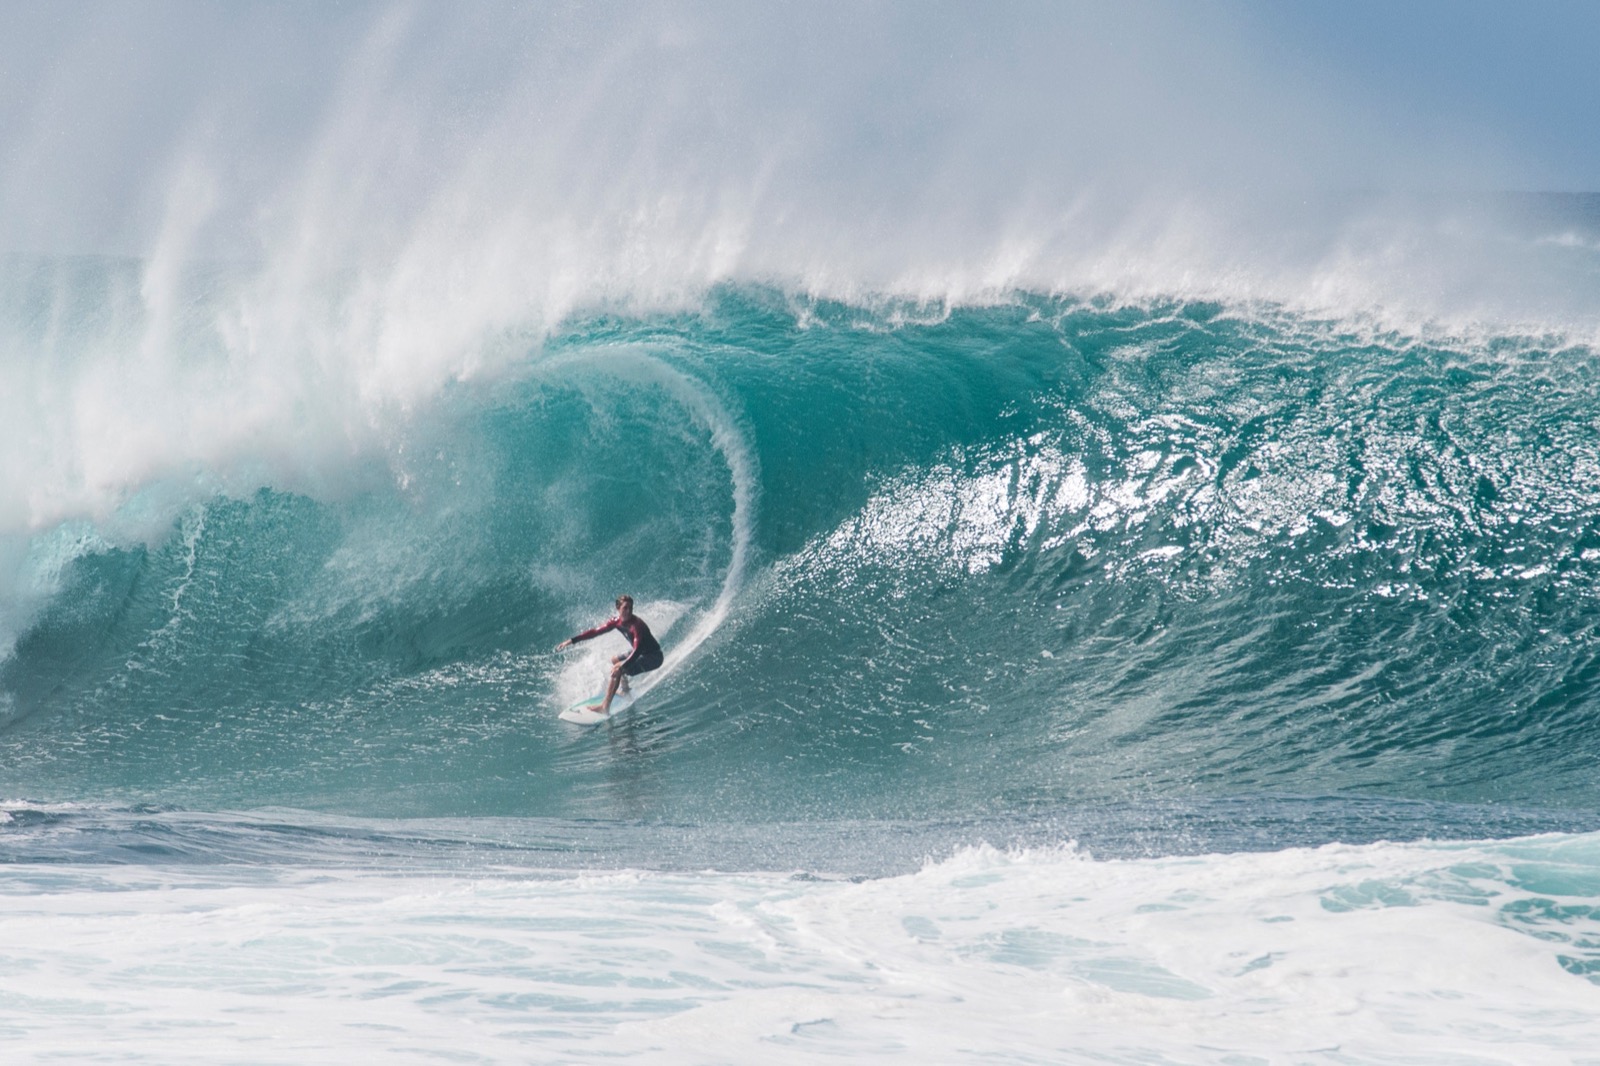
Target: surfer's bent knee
(642, 664)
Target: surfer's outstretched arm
(588, 634)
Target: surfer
(644, 656)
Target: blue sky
(1525, 75)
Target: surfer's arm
(587, 634)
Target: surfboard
(587, 712)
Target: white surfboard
(587, 712)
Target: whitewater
(1119, 606)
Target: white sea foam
(1385, 953)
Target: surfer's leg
(616, 668)
(611, 691)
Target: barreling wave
(905, 560)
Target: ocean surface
(1053, 675)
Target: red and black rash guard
(638, 634)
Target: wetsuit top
(634, 629)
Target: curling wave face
(911, 559)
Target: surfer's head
(624, 606)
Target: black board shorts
(644, 662)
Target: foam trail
(743, 472)
(736, 452)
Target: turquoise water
(908, 562)
(1127, 582)
(1049, 678)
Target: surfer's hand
(564, 645)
